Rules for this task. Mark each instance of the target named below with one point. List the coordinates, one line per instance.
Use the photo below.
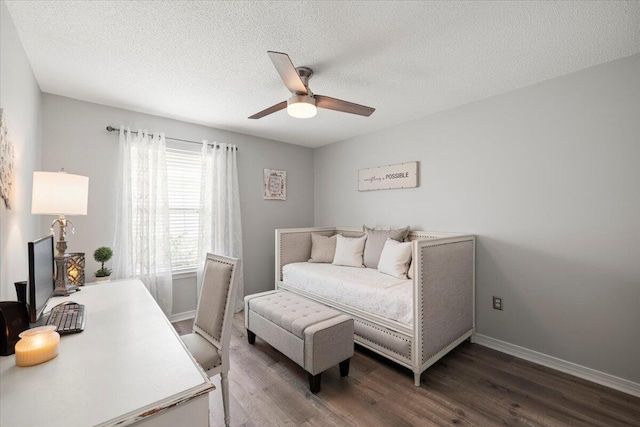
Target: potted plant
(102, 255)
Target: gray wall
(548, 178)
(75, 138)
(20, 98)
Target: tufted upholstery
(291, 312)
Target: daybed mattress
(363, 288)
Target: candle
(37, 345)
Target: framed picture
(275, 184)
(6, 163)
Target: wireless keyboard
(68, 317)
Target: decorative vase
(103, 279)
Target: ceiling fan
(304, 103)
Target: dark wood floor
(472, 386)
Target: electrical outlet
(497, 303)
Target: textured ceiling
(207, 63)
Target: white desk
(128, 366)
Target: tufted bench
(314, 336)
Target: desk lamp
(60, 193)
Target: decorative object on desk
(75, 269)
(6, 162)
(14, 318)
(37, 345)
(402, 175)
(275, 184)
(102, 255)
(60, 193)
(21, 291)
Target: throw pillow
(410, 271)
(375, 242)
(349, 251)
(323, 248)
(395, 258)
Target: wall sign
(275, 184)
(402, 175)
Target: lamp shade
(59, 193)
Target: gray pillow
(323, 248)
(375, 242)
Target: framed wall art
(275, 184)
(6, 162)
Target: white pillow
(395, 258)
(349, 251)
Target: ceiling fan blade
(343, 106)
(287, 72)
(279, 106)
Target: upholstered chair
(211, 335)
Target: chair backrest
(214, 314)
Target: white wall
(21, 100)
(75, 138)
(548, 178)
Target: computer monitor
(41, 276)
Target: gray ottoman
(314, 336)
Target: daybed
(412, 322)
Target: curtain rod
(112, 129)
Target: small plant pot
(103, 279)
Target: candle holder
(75, 269)
(37, 345)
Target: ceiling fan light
(301, 106)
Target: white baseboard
(183, 316)
(570, 368)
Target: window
(184, 176)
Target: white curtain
(220, 222)
(142, 243)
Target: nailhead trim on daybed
(385, 331)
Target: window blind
(184, 176)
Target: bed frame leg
(416, 378)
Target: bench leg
(344, 367)
(314, 383)
(251, 337)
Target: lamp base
(62, 285)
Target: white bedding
(363, 288)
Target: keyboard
(67, 317)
